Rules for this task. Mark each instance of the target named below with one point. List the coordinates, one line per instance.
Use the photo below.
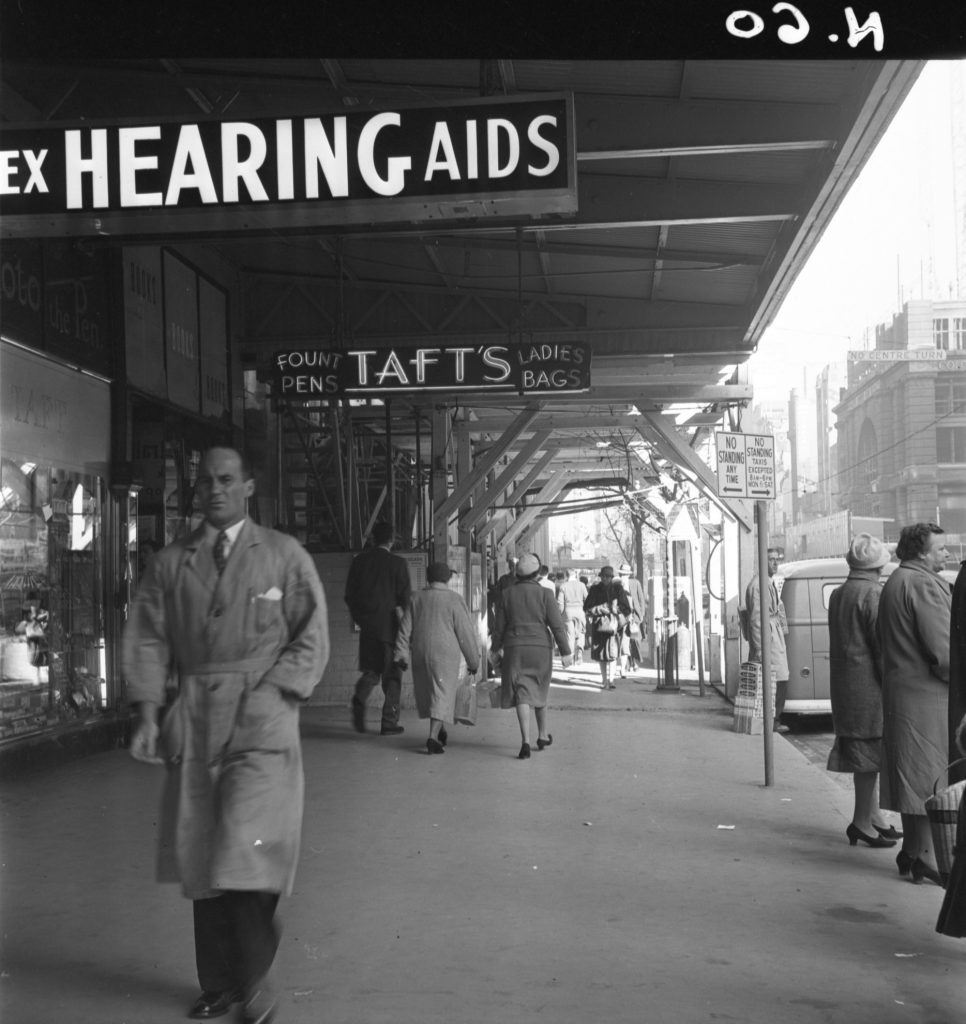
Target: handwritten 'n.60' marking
(795, 31)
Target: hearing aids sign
(465, 160)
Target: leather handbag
(609, 622)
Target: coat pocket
(266, 720)
(268, 613)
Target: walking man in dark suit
(377, 591)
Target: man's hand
(568, 660)
(144, 742)
(402, 664)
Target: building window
(951, 444)
(950, 398)
(52, 642)
(867, 470)
(959, 332)
(940, 333)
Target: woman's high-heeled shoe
(904, 862)
(524, 752)
(434, 746)
(443, 735)
(854, 835)
(921, 870)
(888, 833)
(545, 743)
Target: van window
(827, 589)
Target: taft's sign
(540, 368)
(469, 159)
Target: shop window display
(52, 651)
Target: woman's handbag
(942, 809)
(606, 624)
(609, 622)
(466, 703)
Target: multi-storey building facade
(902, 420)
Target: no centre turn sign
(746, 465)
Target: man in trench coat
(777, 628)
(235, 615)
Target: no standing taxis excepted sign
(746, 465)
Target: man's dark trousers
(376, 662)
(235, 939)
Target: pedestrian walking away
(377, 590)
(235, 616)
(570, 601)
(777, 631)
(856, 688)
(438, 638)
(528, 623)
(913, 631)
(607, 608)
(632, 655)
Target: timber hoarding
(465, 160)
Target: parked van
(805, 588)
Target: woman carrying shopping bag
(438, 638)
(607, 608)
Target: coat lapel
(198, 559)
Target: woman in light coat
(438, 638)
(856, 687)
(528, 622)
(913, 631)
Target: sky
(891, 240)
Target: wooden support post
(440, 458)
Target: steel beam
(549, 491)
(464, 488)
(517, 495)
(675, 448)
(478, 513)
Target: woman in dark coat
(528, 622)
(913, 632)
(856, 687)
(606, 597)
(952, 914)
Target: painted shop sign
(537, 368)
(467, 159)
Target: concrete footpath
(636, 871)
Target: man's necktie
(221, 551)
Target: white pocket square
(273, 594)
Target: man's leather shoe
(391, 730)
(213, 1004)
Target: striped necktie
(221, 551)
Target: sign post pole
(764, 610)
(746, 469)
